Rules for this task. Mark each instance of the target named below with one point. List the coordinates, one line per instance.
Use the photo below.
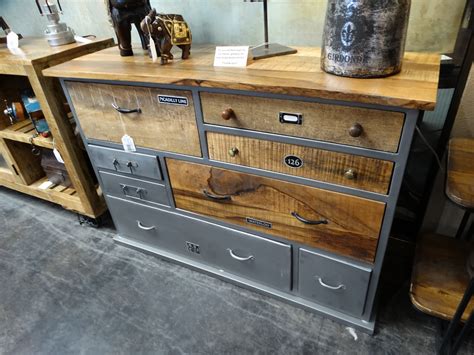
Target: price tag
(231, 56)
(128, 144)
(12, 40)
(154, 53)
(58, 156)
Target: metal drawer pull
(138, 190)
(214, 197)
(126, 110)
(307, 221)
(322, 283)
(239, 258)
(141, 226)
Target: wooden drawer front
(141, 165)
(133, 189)
(338, 285)
(159, 126)
(381, 129)
(242, 254)
(338, 168)
(269, 205)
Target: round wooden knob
(233, 151)
(227, 114)
(350, 174)
(356, 130)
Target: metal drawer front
(132, 163)
(339, 285)
(133, 189)
(242, 254)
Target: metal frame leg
(463, 224)
(464, 332)
(470, 231)
(446, 344)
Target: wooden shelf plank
(439, 276)
(22, 132)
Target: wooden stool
(460, 179)
(438, 285)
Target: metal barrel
(364, 38)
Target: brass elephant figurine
(168, 30)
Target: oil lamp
(57, 33)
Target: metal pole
(265, 20)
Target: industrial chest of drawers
(277, 177)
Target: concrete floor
(66, 288)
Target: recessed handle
(215, 197)
(322, 283)
(356, 130)
(228, 113)
(240, 258)
(307, 221)
(145, 228)
(126, 110)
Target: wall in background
(433, 23)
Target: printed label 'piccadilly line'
(173, 100)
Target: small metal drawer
(124, 162)
(339, 285)
(134, 189)
(238, 253)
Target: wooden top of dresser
(35, 51)
(298, 74)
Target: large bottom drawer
(239, 253)
(339, 285)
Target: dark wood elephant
(168, 30)
(124, 14)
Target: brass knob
(356, 130)
(350, 174)
(227, 114)
(233, 151)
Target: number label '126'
(293, 161)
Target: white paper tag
(231, 56)
(154, 54)
(81, 39)
(45, 185)
(58, 156)
(12, 40)
(128, 144)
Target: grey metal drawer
(124, 162)
(339, 285)
(238, 253)
(134, 189)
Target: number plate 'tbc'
(293, 161)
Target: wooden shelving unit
(22, 171)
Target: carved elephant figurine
(168, 30)
(123, 14)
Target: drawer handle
(240, 258)
(126, 110)
(145, 228)
(138, 190)
(350, 174)
(227, 114)
(214, 197)
(356, 130)
(322, 283)
(307, 221)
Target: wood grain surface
(381, 129)
(460, 177)
(160, 126)
(324, 165)
(353, 223)
(439, 276)
(297, 74)
(37, 51)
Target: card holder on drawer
(136, 164)
(243, 254)
(355, 126)
(133, 189)
(337, 222)
(336, 284)
(338, 168)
